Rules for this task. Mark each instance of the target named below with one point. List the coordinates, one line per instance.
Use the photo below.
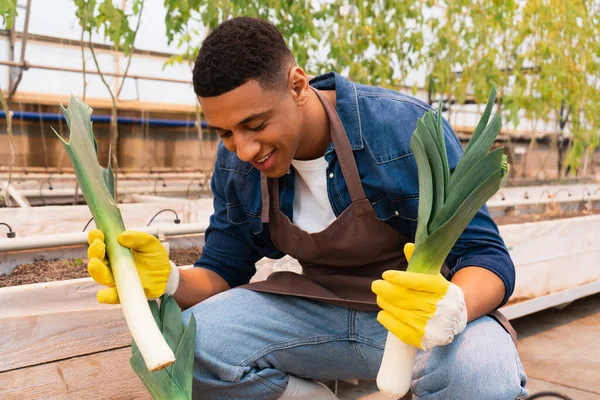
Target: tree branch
(8, 114)
(132, 47)
(100, 71)
(83, 54)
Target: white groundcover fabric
(549, 256)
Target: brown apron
(340, 262)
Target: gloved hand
(157, 274)
(420, 309)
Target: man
(322, 170)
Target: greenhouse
(333, 199)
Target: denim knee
(481, 363)
(216, 358)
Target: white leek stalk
(97, 186)
(395, 373)
(447, 203)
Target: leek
(97, 185)
(447, 203)
(175, 381)
(154, 356)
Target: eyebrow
(244, 121)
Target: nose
(246, 147)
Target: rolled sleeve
(481, 245)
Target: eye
(224, 134)
(258, 128)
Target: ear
(298, 84)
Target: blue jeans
(248, 342)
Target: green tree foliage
(188, 21)
(8, 10)
(104, 17)
(544, 56)
(111, 21)
(375, 42)
(478, 39)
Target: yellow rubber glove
(420, 309)
(156, 272)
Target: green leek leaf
(429, 255)
(444, 154)
(478, 149)
(159, 383)
(447, 205)
(175, 381)
(435, 161)
(183, 371)
(485, 117)
(108, 175)
(172, 327)
(425, 187)
(486, 167)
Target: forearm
(196, 285)
(483, 290)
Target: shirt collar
(346, 98)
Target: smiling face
(263, 127)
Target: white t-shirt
(312, 209)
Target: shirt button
(289, 171)
(397, 213)
(331, 175)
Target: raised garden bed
(552, 212)
(62, 269)
(56, 270)
(58, 342)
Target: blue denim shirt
(379, 124)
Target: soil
(47, 271)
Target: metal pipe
(15, 84)
(130, 176)
(52, 117)
(26, 65)
(15, 194)
(35, 37)
(69, 192)
(126, 170)
(79, 238)
(522, 203)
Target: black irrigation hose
(164, 184)
(555, 395)
(177, 220)
(10, 233)
(88, 224)
(187, 193)
(49, 188)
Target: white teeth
(265, 158)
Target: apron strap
(343, 150)
(264, 189)
(270, 187)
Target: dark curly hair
(237, 51)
